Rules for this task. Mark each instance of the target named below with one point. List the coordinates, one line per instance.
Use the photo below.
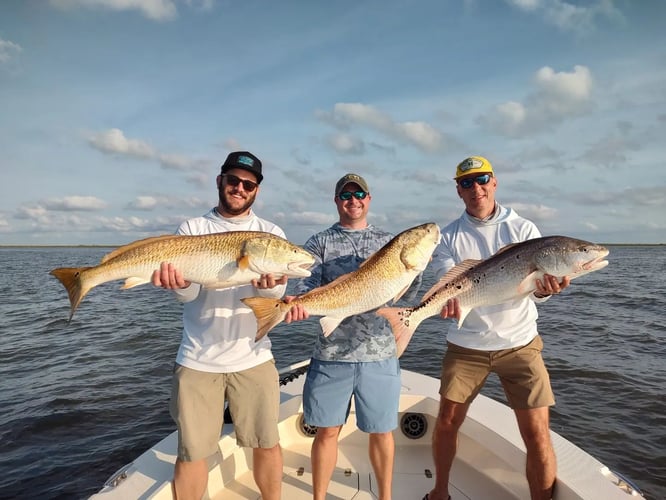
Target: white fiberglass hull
(490, 462)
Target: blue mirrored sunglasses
(469, 181)
(346, 195)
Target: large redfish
(383, 277)
(220, 260)
(508, 275)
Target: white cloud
(557, 97)
(564, 90)
(419, 134)
(114, 142)
(157, 10)
(568, 16)
(8, 50)
(537, 213)
(75, 203)
(346, 144)
(525, 4)
(152, 202)
(28, 212)
(174, 161)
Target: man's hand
(550, 286)
(297, 312)
(167, 276)
(268, 281)
(451, 309)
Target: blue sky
(115, 115)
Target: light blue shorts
(375, 385)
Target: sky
(115, 115)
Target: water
(80, 400)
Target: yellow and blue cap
(473, 165)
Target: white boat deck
(489, 464)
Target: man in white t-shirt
(502, 338)
(218, 358)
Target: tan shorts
(521, 370)
(197, 407)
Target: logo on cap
(470, 164)
(246, 160)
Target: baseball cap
(246, 161)
(348, 179)
(473, 165)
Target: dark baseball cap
(348, 179)
(246, 161)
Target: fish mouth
(595, 264)
(300, 269)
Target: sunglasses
(346, 195)
(234, 181)
(469, 181)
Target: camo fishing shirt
(362, 337)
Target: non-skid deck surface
(413, 477)
(351, 479)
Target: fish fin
(528, 284)
(70, 277)
(328, 324)
(133, 281)
(453, 274)
(365, 261)
(243, 263)
(506, 247)
(464, 311)
(268, 312)
(136, 244)
(402, 326)
(260, 243)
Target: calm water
(80, 400)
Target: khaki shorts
(197, 407)
(521, 370)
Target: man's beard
(230, 209)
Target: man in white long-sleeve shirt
(502, 338)
(218, 358)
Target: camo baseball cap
(246, 161)
(473, 165)
(348, 179)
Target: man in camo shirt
(359, 357)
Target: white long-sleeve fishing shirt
(502, 326)
(218, 329)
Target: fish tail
(269, 313)
(70, 277)
(402, 325)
